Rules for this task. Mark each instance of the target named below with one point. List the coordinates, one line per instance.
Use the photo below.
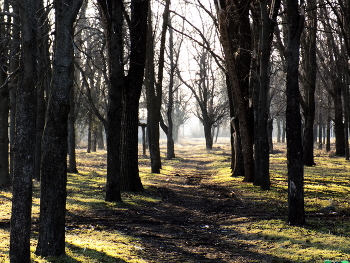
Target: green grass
(323, 237)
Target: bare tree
(51, 240)
(295, 19)
(25, 137)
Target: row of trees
(271, 59)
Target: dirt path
(189, 223)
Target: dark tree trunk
(263, 146)
(295, 21)
(112, 12)
(338, 121)
(5, 180)
(51, 240)
(72, 164)
(89, 137)
(237, 67)
(14, 64)
(170, 140)
(25, 138)
(207, 125)
(44, 80)
(154, 90)
(237, 164)
(320, 128)
(328, 133)
(130, 179)
(279, 133)
(310, 85)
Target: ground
(190, 222)
(195, 211)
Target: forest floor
(195, 211)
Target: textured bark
(112, 12)
(25, 138)
(14, 64)
(295, 21)
(124, 94)
(44, 80)
(154, 90)
(170, 139)
(310, 68)
(72, 163)
(234, 22)
(51, 241)
(262, 114)
(130, 178)
(4, 107)
(5, 180)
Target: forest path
(192, 220)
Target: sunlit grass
(323, 237)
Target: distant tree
(154, 86)
(51, 240)
(25, 137)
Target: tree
(309, 83)
(5, 180)
(51, 240)
(235, 37)
(154, 89)
(261, 139)
(25, 137)
(295, 20)
(123, 95)
(44, 79)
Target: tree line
(94, 64)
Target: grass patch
(262, 228)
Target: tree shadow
(92, 255)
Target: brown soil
(190, 222)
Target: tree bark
(72, 164)
(170, 140)
(25, 138)
(112, 12)
(130, 179)
(295, 21)
(310, 67)
(51, 240)
(228, 20)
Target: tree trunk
(72, 164)
(320, 128)
(25, 138)
(51, 240)
(5, 180)
(14, 65)
(310, 69)
(154, 90)
(295, 21)
(112, 12)
(44, 80)
(130, 179)
(170, 140)
(228, 21)
(266, 36)
(207, 125)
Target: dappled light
(195, 211)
